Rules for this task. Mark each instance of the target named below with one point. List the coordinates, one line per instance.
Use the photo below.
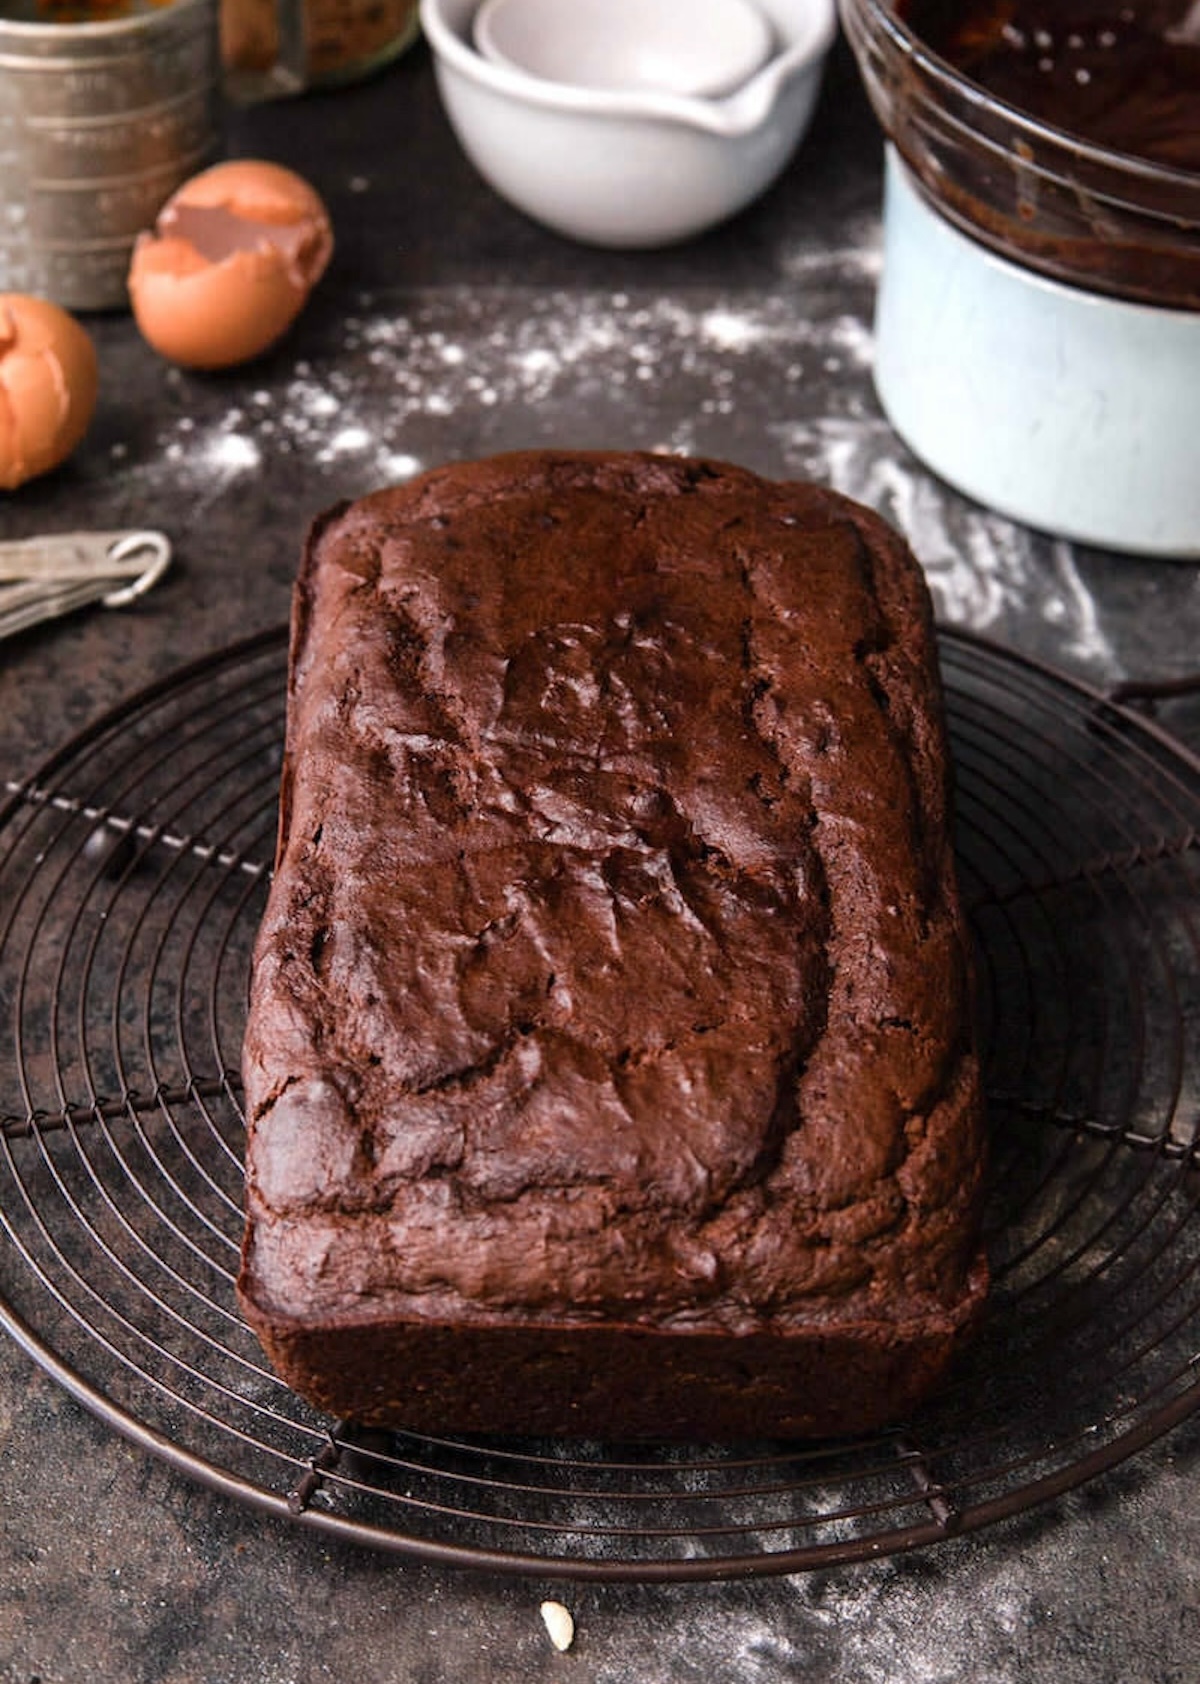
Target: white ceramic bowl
(629, 169)
(1065, 409)
(1037, 328)
(705, 48)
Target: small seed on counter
(559, 1624)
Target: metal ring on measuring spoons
(158, 547)
(44, 578)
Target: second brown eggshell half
(231, 261)
(48, 385)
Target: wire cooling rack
(133, 870)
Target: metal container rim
(15, 32)
(892, 30)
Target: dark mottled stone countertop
(450, 326)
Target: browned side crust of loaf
(608, 1067)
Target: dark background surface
(450, 326)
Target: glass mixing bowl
(1055, 203)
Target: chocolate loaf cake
(609, 1065)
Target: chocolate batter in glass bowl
(1063, 133)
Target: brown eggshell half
(48, 385)
(233, 257)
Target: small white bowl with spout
(699, 48)
(629, 168)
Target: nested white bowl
(698, 47)
(629, 169)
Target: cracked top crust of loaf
(613, 969)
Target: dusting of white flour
(437, 377)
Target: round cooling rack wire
(133, 871)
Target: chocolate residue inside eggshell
(217, 233)
(232, 260)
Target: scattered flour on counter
(779, 380)
(348, 440)
(1074, 609)
(859, 259)
(730, 331)
(981, 567)
(222, 453)
(233, 453)
(852, 338)
(399, 374)
(978, 564)
(869, 1623)
(879, 1616)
